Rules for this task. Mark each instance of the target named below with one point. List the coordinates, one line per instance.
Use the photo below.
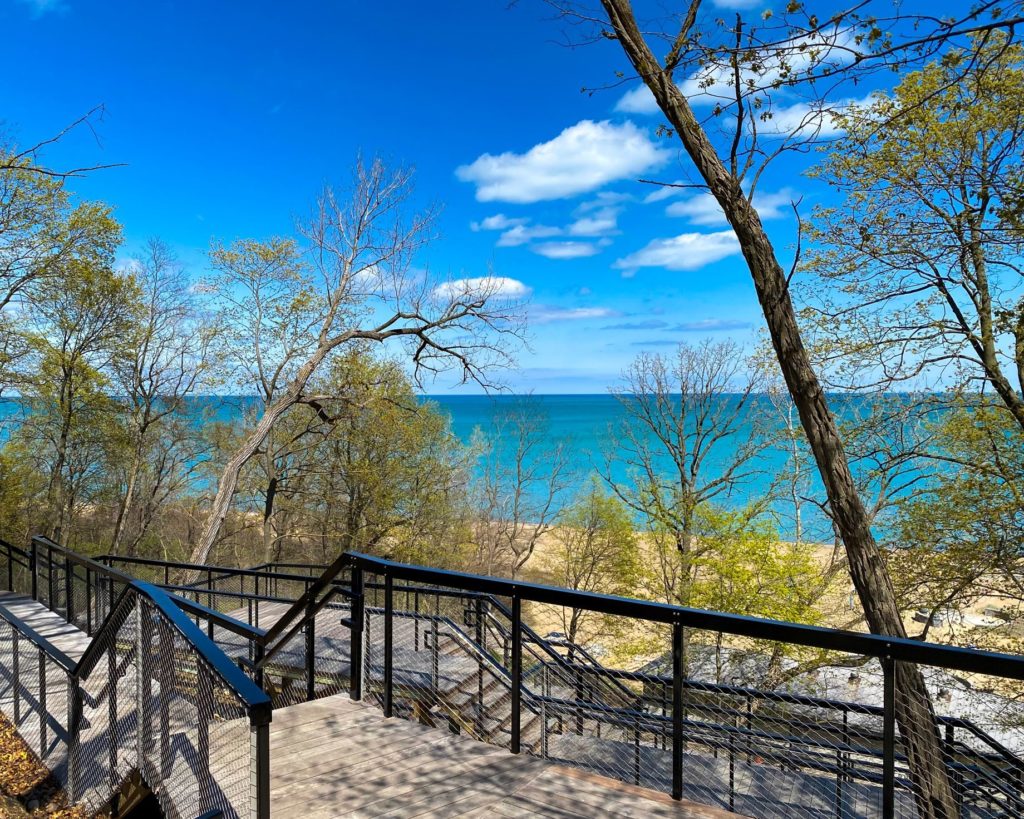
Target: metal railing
(150, 693)
(453, 649)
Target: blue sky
(229, 117)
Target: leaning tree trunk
(870, 576)
(254, 440)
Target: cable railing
(464, 652)
(150, 693)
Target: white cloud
(582, 158)
(603, 199)
(521, 234)
(806, 120)
(544, 314)
(497, 222)
(664, 192)
(703, 209)
(638, 100)
(598, 223)
(713, 84)
(566, 250)
(709, 326)
(688, 251)
(482, 285)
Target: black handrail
(255, 702)
(302, 612)
(872, 645)
(255, 699)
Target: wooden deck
(334, 757)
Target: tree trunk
(255, 439)
(870, 576)
(128, 501)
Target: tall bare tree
(524, 472)
(353, 282)
(689, 437)
(165, 359)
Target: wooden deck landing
(334, 757)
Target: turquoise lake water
(586, 425)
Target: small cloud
(601, 222)
(522, 234)
(482, 286)
(584, 291)
(664, 192)
(688, 251)
(709, 326)
(649, 324)
(603, 199)
(704, 209)
(566, 250)
(582, 158)
(546, 314)
(497, 222)
(655, 342)
(638, 100)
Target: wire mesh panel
(152, 704)
(974, 755)
(34, 695)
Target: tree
(963, 540)
(743, 66)
(918, 269)
(354, 283)
(385, 475)
(595, 549)
(80, 320)
(40, 233)
(745, 569)
(690, 435)
(523, 472)
(165, 357)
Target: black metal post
(889, 739)
(68, 590)
(34, 560)
(51, 578)
(517, 671)
(389, 611)
(262, 784)
(88, 602)
(355, 682)
(677, 710)
(10, 570)
(310, 652)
